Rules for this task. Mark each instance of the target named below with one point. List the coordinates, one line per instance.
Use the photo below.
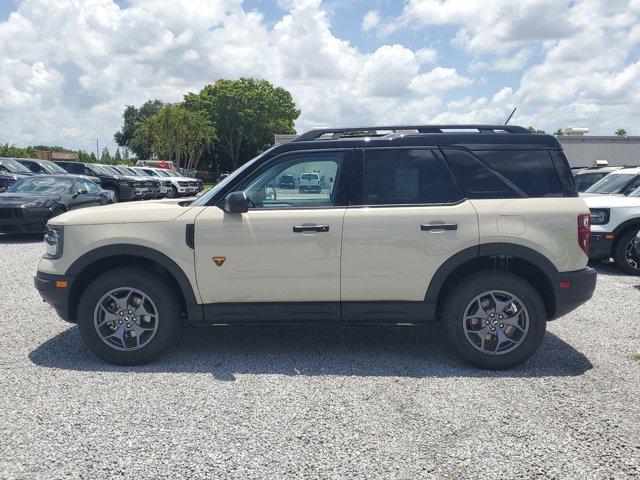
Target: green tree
(246, 114)
(559, 132)
(105, 157)
(621, 132)
(117, 157)
(178, 134)
(93, 158)
(10, 150)
(533, 130)
(84, 157)
(133, 118)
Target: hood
(14, 176)
(19, 199)
(130, 212)
(611, 201)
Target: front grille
(183, 184)
(138, 184)
(166, 183)
(10, 213)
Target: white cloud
(438, 80)
(370, 20)
(427, 55)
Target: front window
(42, 186)
(317, 176)
(12, 166)
(612, 183)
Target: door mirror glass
(236, 202)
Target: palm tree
(621, 132)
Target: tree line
(218, 128)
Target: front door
(280, 261)
(406, 217)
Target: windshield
(98, 169)
(128, 171)
(42, 185)
(111, 170)
(612, 183)
(52, 167)
(204, 199)
(171, 173)
(12, 166)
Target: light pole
(97, 149)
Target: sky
(69, 67)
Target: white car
(615, 222)
(622, 181)
(309, 182)
(179, 186)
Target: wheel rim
(126, 319)
(495, 322)
(632, 254)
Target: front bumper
(601, 246)
(18, 220)
(572, 289)
(56, 291)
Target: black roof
(475, 137)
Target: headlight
(599, 216)
(53, 240)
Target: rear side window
(407, 177)
(508, 173)
(585, 180)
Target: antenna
(514, 111)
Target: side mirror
(80, 191)
(236, 202)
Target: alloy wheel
(632, 253)
(496, 322)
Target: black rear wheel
(116, 196)
(626, 252)
(494, 319)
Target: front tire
(494, 319)
(129, 316)
(626, 253)
(116, 196)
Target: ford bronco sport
(477, 227)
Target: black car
(287, 181)
(11, 171)
(27, 205)
(47, 167)
(123, 188)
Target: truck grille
(10, 213)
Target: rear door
(407, 215)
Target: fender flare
(138, 251)
(485, 250)
(625, 224)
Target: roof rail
(364, 131)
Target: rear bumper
(601, 246)
(572, 289)
(55, 290)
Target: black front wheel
(494, 319)
(129, 316)
(626, 252)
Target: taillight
(584, 232)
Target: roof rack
(333, 133)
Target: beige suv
(477, 227)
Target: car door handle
(310, 228)
(428, 227)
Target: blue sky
(69, 67)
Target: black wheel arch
(93, 263)
(626, 225)
(523, 261)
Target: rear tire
(116, 196)
(173, 193)
(129, 316)
(480, 302)
(626, 253)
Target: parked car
(180, 186)
(310, 183)
(166, 189)
(587, 177)
(47, 167)
(615, 223)
(123, 187)
(27, 205)
(287, 181)
(482, 231)
(11, 171)
(152, 184)
(623, 181)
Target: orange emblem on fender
(219, 260)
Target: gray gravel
(317, 403)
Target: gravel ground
(317, 403)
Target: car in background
(309, 182)
(123, 187)
(194, 185)
(615, 224)
(621, 181)
(180, 186)
(47, 167)
(11, 171)
(586, 177)
(28, 204)
(287, 181)
(152, 184)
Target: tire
(116, 195)
(173, 193)
(164, 303)
(621, 258)
(459, 302)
